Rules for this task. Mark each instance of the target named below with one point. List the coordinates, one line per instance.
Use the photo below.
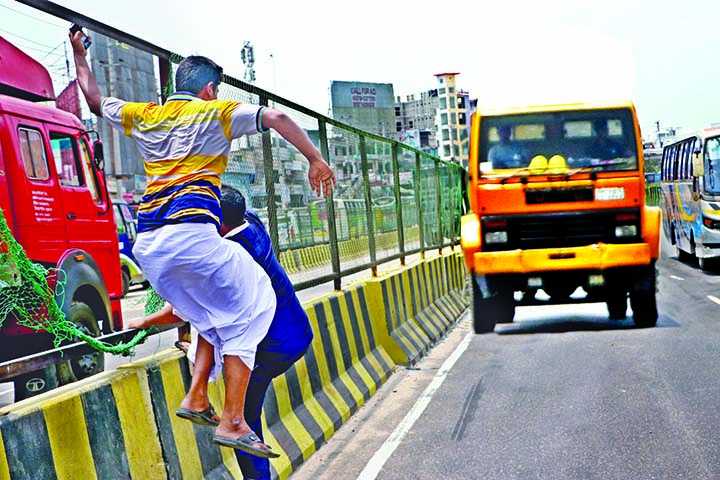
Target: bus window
(684, 157)
(712, 165)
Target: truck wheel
(87, 365)
(488, 311)
(35, 383)
(706, 264)
(125, 283)
(504, 306)
(616, 305)
(483, 319)
(642, 299)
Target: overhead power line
(30, 16)
(49, 47)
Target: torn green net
(25, 293)
(153, 302)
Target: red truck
(55, 201)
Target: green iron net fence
(391, 200)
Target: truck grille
(560, 230)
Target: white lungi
(212, 283)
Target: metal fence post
(368, 205)
(269, 183)
(439, 205)
(398, 203)
(330, 206)
(418, 204)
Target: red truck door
(36, 219)
(89, 222)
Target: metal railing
(392, 200)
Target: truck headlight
(496, 237)
(622, 231)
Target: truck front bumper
(599, 256)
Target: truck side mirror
(98, 155)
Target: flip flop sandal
(204, 417)
(183, 346)
(244, 443)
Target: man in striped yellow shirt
(212, 283)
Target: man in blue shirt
(287, 339)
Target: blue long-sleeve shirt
(290, 330)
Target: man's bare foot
(195, 404)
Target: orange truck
(558, 212)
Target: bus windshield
(712, 165)
(595, 139)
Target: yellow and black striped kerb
(100, 428)
(407, 333)
(342, 369)
(188, 448)
(431, 318)
(121, 424)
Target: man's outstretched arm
(322, 178)
(86, 79)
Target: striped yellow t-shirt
(185, 145)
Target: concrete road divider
(121, 424)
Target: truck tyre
(642, 298)
(504, 304)
(706, 264)
(483, 316)
(87, 365)
(35, 383)
(125, 282)
(616, 302)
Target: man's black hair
(194, 72)
(232, 204)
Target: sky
(514, 52)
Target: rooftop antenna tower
(248, 58)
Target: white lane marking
(675, 277)
(714, 299)
(373, 467)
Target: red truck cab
(53, 197)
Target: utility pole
(67, 62)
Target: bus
(557, 198)
(690, 186)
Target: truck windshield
(593, 139)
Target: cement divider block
(122, 424)
(343, 368)
(187, 447)
(101, 427)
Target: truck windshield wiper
(515, 174)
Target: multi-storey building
(452, 119)
(415, 120)
(129, 73)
